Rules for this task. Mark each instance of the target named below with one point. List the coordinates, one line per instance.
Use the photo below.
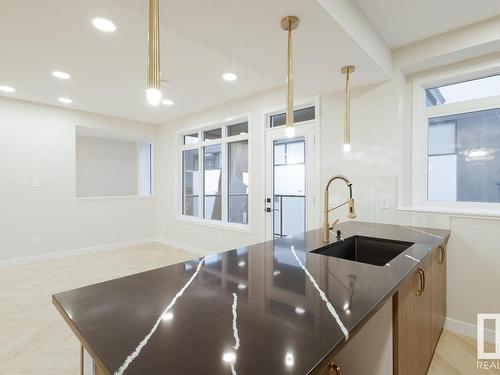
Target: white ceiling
(402, 22)
(200, 41)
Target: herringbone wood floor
(35, 340)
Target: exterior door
(290, 181)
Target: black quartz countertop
(261, 309)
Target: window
(108, 165)
(190, 182)
(460, 125)
(299, 115)
(215, 174)
(238, 182)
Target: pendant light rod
(288, 24)
(154, 79)
(347, 70)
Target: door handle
(421, 288)
(269, 209)
(442, 251)
(332, 367)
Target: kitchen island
(271, 308)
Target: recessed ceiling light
(104, 24)
(229, 77)
(168, 102)
(61, 75)
(65, 100)
(7, 89)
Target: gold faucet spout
(327, 209)
(340, 205)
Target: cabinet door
(405, 327)
(424, 316)
(438, 293)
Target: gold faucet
(326, 210)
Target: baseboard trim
(467, 329)
(183, 246)
(72, 252)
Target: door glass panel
(289, 187)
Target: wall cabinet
(419, 310)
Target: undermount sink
(369, 250)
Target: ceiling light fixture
(288, 24)
(7, 89)
(168, 102)
(347, 70)
(230, 77)
(104, 24)
(65, 100)
(153, 93)
(61, 75)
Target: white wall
(39, 212)
(106, 167)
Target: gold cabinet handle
(334, 368)
(421, 275)
(442, 252)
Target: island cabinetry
(419, 311)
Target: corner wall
(39, 212)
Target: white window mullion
(201, 200)
(224, 172)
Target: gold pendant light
(153, 92)
(347, 70)
(288, 24)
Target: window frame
(223, 141)
(303, 104)
(419, 136)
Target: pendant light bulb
(153, 96)
(289, 131)
(347, 147)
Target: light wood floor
(35, 340)
(33, 337)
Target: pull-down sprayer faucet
(326, 209)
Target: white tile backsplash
(366, 193)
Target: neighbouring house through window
(462, 128)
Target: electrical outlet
(384, 201)
(35, 241)
(69, 236)
(35, 182)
